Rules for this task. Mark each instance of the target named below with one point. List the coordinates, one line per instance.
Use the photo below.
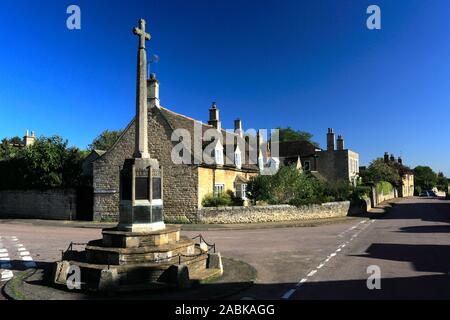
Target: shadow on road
(433, 211)
(422, 287)
(423, 257)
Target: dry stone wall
(276, 213)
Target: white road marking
(19, 245)
(301, 282)
(24, 253)
(288, 294)
(4, 255)
(3, 250)
(6, 275)
(21, 249)
(313, 272)
(5, 259)
(27, 258)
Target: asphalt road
(410, 245)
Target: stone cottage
(333, 164)
(406, 188)
(184, 185)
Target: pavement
(410, 245)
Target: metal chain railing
(179, 255)
(210, 246)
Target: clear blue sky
(305, 64)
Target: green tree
(379, 171)
(48, 163)
(442, 182)
(289, 134)
(292, 186)
(425, 177)
(105, 140)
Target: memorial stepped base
(127, 261)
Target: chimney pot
(238, 127)
(330, 140)
(340, 142)
(214, 117)
(153, 91)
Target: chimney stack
(340, 143)
(153, 91)
(259, 149)
(330, 140)
(386, 157)
(214, 117)
(238, 128)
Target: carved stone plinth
(128, 261)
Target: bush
(220, 200)
(360, 192)
(384, 187)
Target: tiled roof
(178, 121)
(296, 148)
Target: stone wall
(275, 213)
(377, 198)
(34, 204)
(179, 182)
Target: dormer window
(218, 155)
(238, 158)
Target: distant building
(406, 188)
(28, 140)
(333, 164)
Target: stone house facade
(332, 164)
(184, 185)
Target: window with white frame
(219, 188)
(218, 155)
(237, 159)
(241, 191)
(244, 191)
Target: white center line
(288, 294)
(313, 272)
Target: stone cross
(141, 138)
(143, 36)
